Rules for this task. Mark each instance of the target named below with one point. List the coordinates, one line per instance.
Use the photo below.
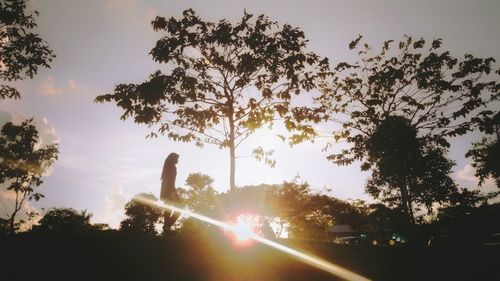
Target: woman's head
(169, 164)
(172, 158)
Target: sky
(104, 161)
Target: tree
(225, 81)
(21, 51)
(23, 163)
(141, 218)
(407, 173)
(485, 153)
(200, 196)
(436, 93)
(65, 219)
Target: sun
(244, 227)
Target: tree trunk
(406, 202)
(232, 168)
(232, 154)
(12, 220)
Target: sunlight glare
(243, 229)
(309, 259)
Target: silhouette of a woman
(168, 192)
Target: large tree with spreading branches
(224, 81)
(430, 96)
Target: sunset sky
(104, 161)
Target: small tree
(200, 196)
(22, 163)
(65, 219)
(224, 82)
(141, 218)
(21, 51)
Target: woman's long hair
(169, 164)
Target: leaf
(355, 42)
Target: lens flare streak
(309, 259)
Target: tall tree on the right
(398, 108)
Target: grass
(116, 256)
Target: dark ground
(115, 256)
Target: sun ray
(304, 257)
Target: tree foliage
(437, 92)
(141, 218)
(486, 152)
(224, 81)
(399, 107)
(407, 172)
(65, 219)
(200, 196)
(23, 163)
(22, 52)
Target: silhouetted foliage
(21, 51)
(435, 91)
(23, 163)
(226, 81)
(406, 173)
(437, 94)
(65, 220)
(486, 153)
(4, 226)
(309, 215)
(462, 203)
(200, 196)
(141, 218)
(384, 218)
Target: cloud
(47, 87)
(114, 207)
(467, 174)
(73, 86)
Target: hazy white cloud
(467, 174)
(114, 208)
(73, 86)
(47, 87)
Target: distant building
(341, 230)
